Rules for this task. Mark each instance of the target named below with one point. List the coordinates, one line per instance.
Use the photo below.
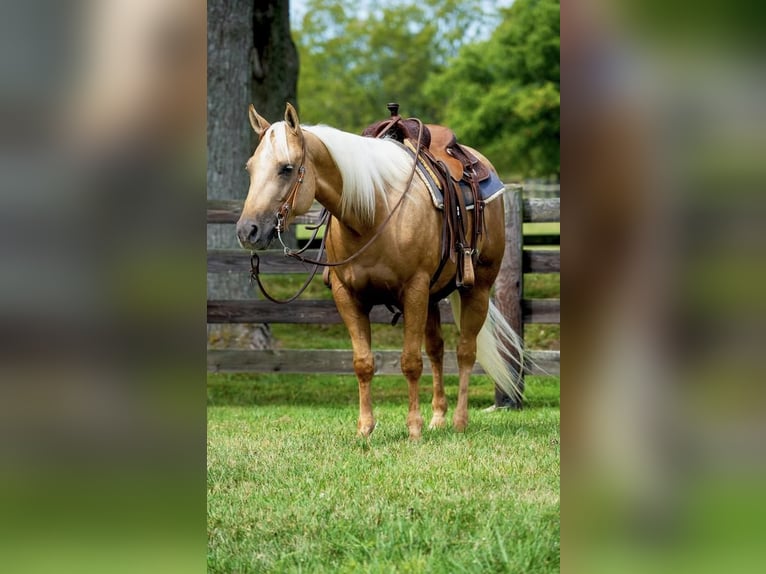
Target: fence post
(509, 286)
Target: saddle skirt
(490, 187)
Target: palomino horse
(360, 180)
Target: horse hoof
(437, 422)
(415, 425)
(460, 424)
(416, 428)
(364, 429)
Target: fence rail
(534, 211)
(320, 312)
(332, 361)
(274, 261)
(518, 311)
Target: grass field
(292, 489)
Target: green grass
(291, 488)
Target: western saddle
(436, 148)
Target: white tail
(496, 334)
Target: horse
(360, 181)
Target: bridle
(289, 201)
(287, 206)
(324, 219)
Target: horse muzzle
(254, 236)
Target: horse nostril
(253, 232)
(247, 232)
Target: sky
(298, 8)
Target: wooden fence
(517, 310)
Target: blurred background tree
(358, 55)
(502, 95)
(441, 61)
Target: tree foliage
(358, 55)
(502, 95)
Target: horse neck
(329, 182)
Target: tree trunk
(251, 59)
(274, 60)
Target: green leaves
(357, 56)
(500, 95)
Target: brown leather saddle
(439, 141)
(441, 155)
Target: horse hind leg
(474, 304)
(435, 351)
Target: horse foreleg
(415, 314)
(357, 322)
(435, 350)
(473, 312)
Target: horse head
(281, 184)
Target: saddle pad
(489, 189)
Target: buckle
(281, 217)
(466, 249)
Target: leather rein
(324, 219)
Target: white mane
(367, 166)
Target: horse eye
(286, 169)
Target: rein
(324, 219)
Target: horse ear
(259, 124)
(291, 117)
